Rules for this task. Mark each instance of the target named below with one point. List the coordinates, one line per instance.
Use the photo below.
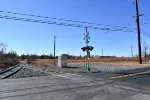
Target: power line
(54, 49)
(145, 33)
(64, 24)
(60, 19)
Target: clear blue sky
(27, 37)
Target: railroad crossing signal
(87, 48)
(86, 35)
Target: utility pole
(145, 53)
(131, 51)
(54, 49)
(102, 52)
(138, 30)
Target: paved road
(138, 76)
(122, 85)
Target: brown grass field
(114, 61)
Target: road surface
(121, 85)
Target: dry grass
(43, 61)
(114, 61)
(3, 64)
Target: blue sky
(29, 37)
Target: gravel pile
(27, 72)
(44, 70)
(51, 69)
(79, 68)
(106, 67)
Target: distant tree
(92, 56)
(2, 50)
(23, 57)
(12, 54)
(34, 56)
(42, 56)
(45, 56)
(80, 56)
(3, 47)
(145, 51)
(51, 56)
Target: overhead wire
(61, 19)
(146, 34)
(64, 24)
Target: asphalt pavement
(120, 85)
(137, 78)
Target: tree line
(7, 58)
(34, 56)
(13, 57)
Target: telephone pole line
(131, 51)
(102, 52)
(54, 49)
(138, 30)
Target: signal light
(87, 48)
(84, 48)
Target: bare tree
(12, 54)
(145, 51)
(2, 50)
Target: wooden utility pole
(102, 52)
(54, 49)
(138, 30)
(131, 51)
(145, 53)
